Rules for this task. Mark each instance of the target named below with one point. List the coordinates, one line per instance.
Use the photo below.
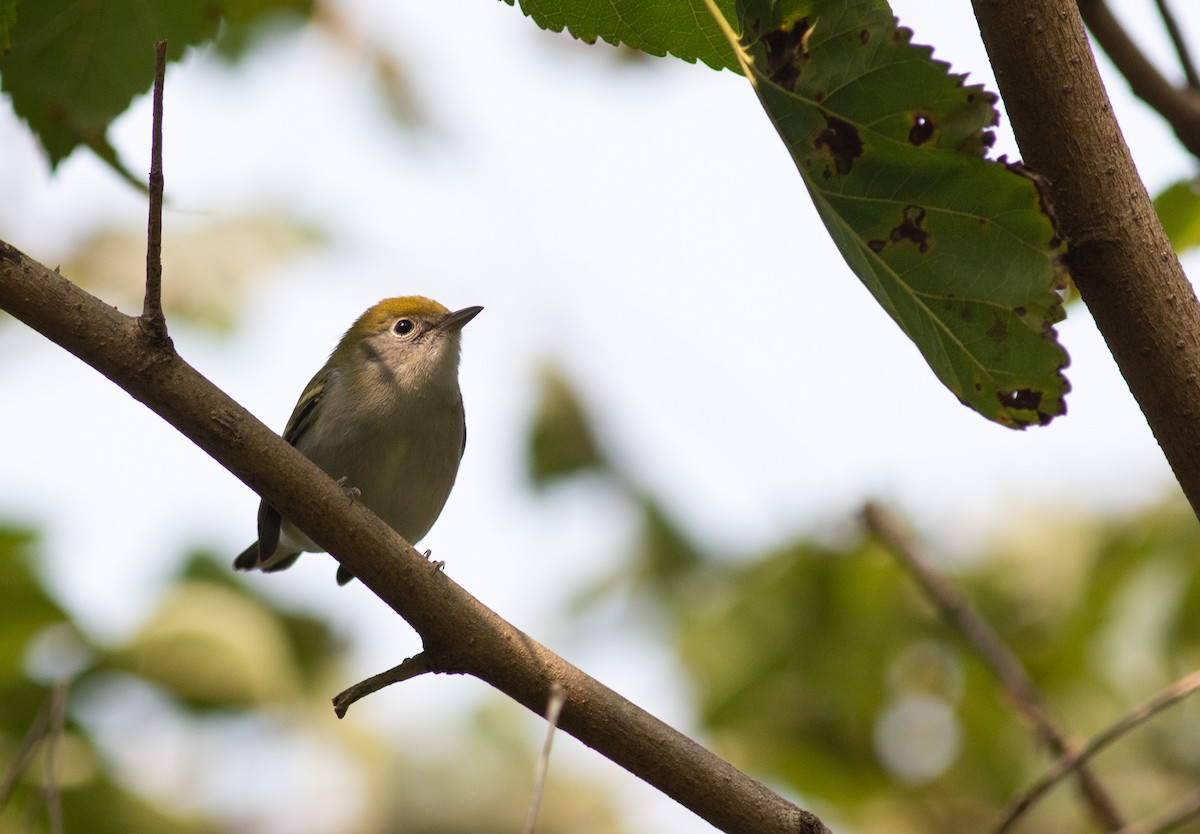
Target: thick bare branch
(460, 635)
(1120, 258)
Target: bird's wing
(306, 408)
(269, 519)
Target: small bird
(385, 417)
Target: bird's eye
(403, 326)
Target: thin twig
(1075, 761)
(153, 322)
(58, 720)
(29, 745)
(408, 668)
(1181, 47)
(1007, 667)
(1184, 811)
(554, 705)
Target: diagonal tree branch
(1120, 258)
(460, 635)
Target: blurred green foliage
(216, 655)
(72, 67)
(1178, 207)
(819, 666)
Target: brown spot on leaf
(1025, 399)
(912, 228)
(876, 245)
(922, 129)
(840, 140)
(786, 51)
(864, 35)
(998, 332)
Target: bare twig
(153, 322)
(554, 705)
(1181, 47)
(25, 753)
(1074, 761)
(408, 668)
(995, 653)
(1180, 106)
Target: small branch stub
(409, 668)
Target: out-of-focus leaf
(207, 270)
(787, 657)
(75, 65)
(960, 250)
(561, 442)
(312, 643)
(248, 21)
(212, 646)
(102, 807)
(683, 28)
(1178, 208)
(25, 607)
(8, 19)
(27, 611)
(666, 552)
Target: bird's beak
(458, 318)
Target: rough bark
(1120, 258)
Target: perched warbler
(385, 416)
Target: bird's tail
(248, 559)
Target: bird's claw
(438, 566)
(352, 492)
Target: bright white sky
(642, 226)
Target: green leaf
(958, 249)
(25, 607)
(683, 28)
(1178, 208)
(8, 19)
(561, 442)
(75, 65)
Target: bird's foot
(352, 492)
(438, 565)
